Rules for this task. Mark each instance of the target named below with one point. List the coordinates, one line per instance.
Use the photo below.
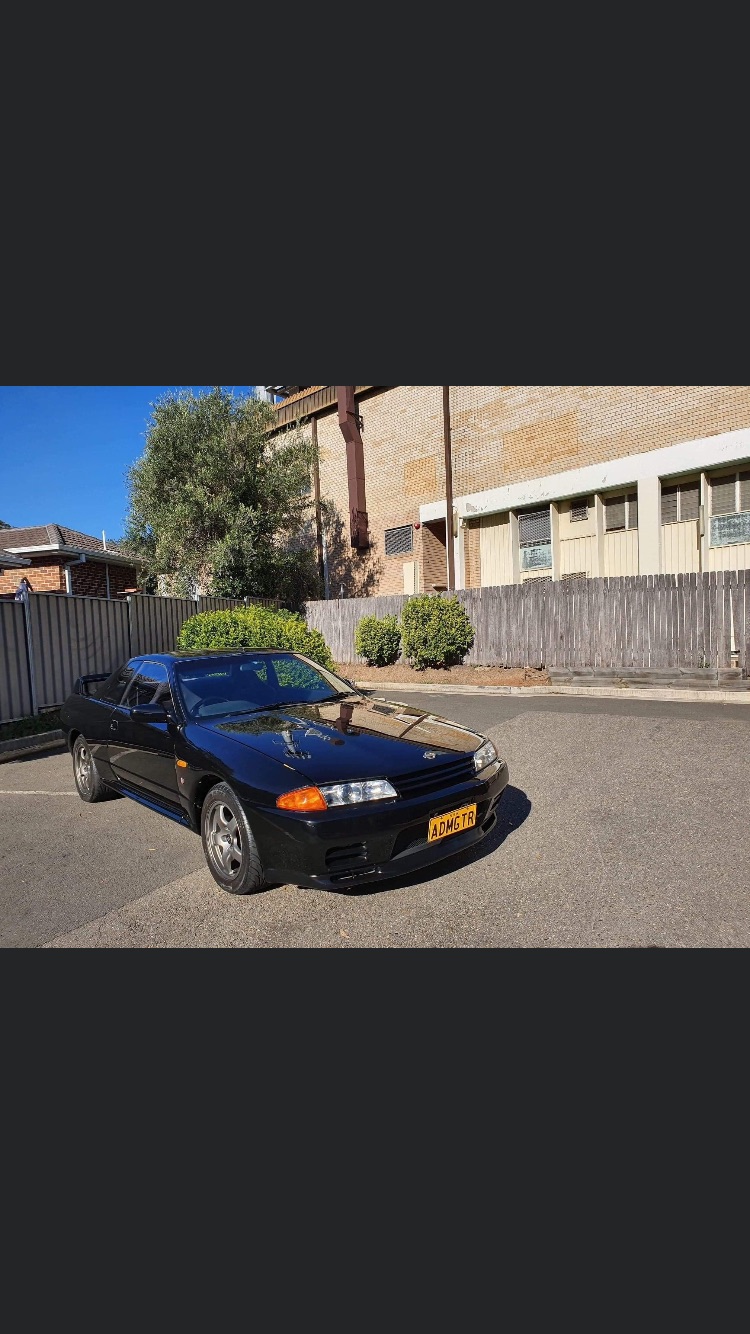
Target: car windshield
(216, 687)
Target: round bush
(378, 641)
(254, 627)
(436, 631)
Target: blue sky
(64, 451)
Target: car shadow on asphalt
(513, 810)
(25, 757)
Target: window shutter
(579, 510)
(745, 490)
(399, 541)
(690, 498)
(614, 514)
(633, 510)
(669, 504)
(534, 526)
(723, 495)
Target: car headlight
(346, 794)
(484, 756)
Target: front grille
(350, 858)
(409, 840)
(435, 778)
(414, 836)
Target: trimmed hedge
(378, 641)
(436, 631)
(254, 627)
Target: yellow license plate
(453, 822)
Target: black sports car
(287, 771)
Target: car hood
(350, 738)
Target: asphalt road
(625, 825)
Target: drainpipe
(448, 487)
(318, 515)
(350, 424)
(68, 577)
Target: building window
(680, 503)
(399, 541)
(730, 508)
(535, 539)
(579, 510)
(621, 512)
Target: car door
(142, 755)
(101, 708)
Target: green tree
(217, 502)
(3, 524)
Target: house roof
(9, 561)
(20, 540)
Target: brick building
(61, 560)
(548, 481)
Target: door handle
(113, 725)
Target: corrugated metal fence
(15, 683)
(668, 620)
(683, 620)
(73, 636)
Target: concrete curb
(391, 689)
(29, 745)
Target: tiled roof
(57, 535)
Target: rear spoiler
(81, 686)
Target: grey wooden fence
(645, 621)
(71, 636)
(15, 682)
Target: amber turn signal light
(303, 799)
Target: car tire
(228, 844)
(85, 773)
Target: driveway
(625, 825)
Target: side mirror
(149, 713)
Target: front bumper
(356, 845)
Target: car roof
(178, 655)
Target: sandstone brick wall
(472, 562)
(501, 434)
(404, 468)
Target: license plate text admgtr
(453, 822)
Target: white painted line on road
(13, 792)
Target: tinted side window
(151, 686)
(113, 689)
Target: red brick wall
(89, 580)
(45, 574)
(122, 577)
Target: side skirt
(171, 813)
